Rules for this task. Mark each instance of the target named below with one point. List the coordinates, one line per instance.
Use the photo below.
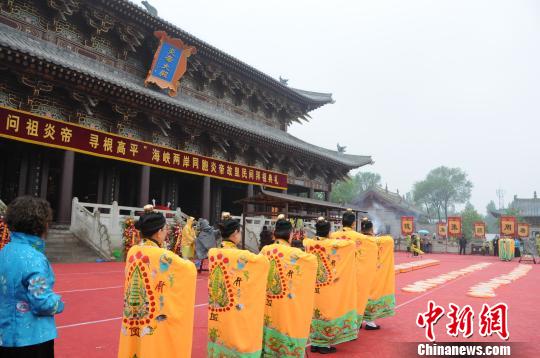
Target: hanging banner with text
(441, 229)
(454, 226)
(508, 226)
(480, 230)
(30, 128)
(407, 225)
(523, 230)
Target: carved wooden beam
(87, 102)
(64, 8)
(131, 37)
(99, 20)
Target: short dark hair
(322, 226)
(283, 229)
(366, 226)
(29, 215)
(348, 218)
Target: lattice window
(96, 121)
(159, 139)
(130, 131)
(192, 147)
(50, 107)
(29, 13)
(103, 45)
(218, 154)
(68, 30)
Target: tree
(346, 191)
(468, 216)
(441, 190)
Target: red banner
(508, 226)
(30, 128)
(442, 229)
(523, 230)
(407, 225)
(480, 230)
(454, 226)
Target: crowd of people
(271, 304)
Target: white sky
(417, 84)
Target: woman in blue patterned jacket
(27, 301)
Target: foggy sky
(417, 84)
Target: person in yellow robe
(334, 315)
(159, 296)
(236, 297)
(382, 299)
(366, 261)
(290, 293)
(188, 239)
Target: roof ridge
(22, 42)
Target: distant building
(528, 210)
(386, 208)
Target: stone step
(62, 246)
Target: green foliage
(468, 216)
(441, 190)
(346, 191)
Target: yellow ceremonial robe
(366, 265)
(382, 299)
(159, 300)
(290, 293)
(188, 240)
(334, 314)
(236, 295)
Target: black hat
(228, 227)
(366, 224)
(323, 227)
(348, 218)
(150, 223)
(283, 228)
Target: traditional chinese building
(77, 120)
(386, 208)
(527, 210)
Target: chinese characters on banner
(492, 320)
(454, 226)
(480, 230)
(523, 230)
(407, 225)
(170, 62)
(441, 229)
(40, 130)
(508, 226)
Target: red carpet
(93, 296)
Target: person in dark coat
(462, 245)
(265, 238)
(496, 246)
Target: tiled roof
(392, 198)
(48, 52)
(140, 15)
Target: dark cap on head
(322, 226)
(150, 223)
(228, 227)
(283, 228)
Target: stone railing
(112, 217)
(87, 226)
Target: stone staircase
(62, 246)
